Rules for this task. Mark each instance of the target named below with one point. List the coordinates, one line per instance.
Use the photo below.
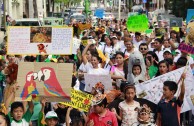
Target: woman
(95, 61)
(151, 63)
(163, 68)
(107, 48)
(119, 72)
(129, 48)
(4, 120)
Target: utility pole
(4, 12)
(119, 10)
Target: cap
(177, 51)
(51, 114)
(97, 99)
(167, 50)
(114, 37)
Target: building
(14, 8)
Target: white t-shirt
(107, 50)
(119, 46)
(127, 53)
(85, 67)
(128, 112)
(136, 44)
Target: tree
(27, 8)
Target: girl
(163, 68)
(107, 48)
(128, 113)
(119, 72)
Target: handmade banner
(137, 23)
(39, 40)
(190, 15)
(76, 45)
(84, 26)
(152, 90)
(91, 80)
(79, 100)
(49, 80)
(176, 22)
(186, 48)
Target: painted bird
(52, 86)
(29, 87)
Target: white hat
(178, 51)
(51, 114)
(114, 37)
(167, 50)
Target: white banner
(152, 90)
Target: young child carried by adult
(169, 108)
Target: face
(163, 68)
(143, 49)
(136, 70)
(138, 38)
(144, 116)
(98, 109)
(94, 62)
(167, 55)
(128, 45)
(119, 59)
(18, 113)
(2, 121)
(108, 42)
(130, 94)
(61, 61)
(88, 56)
(167, 92)
(166, 44)
(157, 45)
(173, 35)
(51, 122)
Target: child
(51, 118)
(127, 114)
(17, 115)
(145, 117)
(136, 70)
(169, 108)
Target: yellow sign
(79, 100)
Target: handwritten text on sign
(79, 100)
(186, 48)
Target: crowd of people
(108, 50)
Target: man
(158, 48)
(137, 39)
(101, 115)
(167, 54)
(143, 48)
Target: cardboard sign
(49, 80)
(176, 22)
(160, 32)
(84, 26)
(39, 40)
(76, 45)
(190, 15)
(137, 23)
(79, 100)
(152, 90)
(186, 48)
(91, 80)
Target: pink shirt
(108, 120)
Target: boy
(101, 115)
(51, 118)
(17, 115)
(169, 108)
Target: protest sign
(99, 13)
(39, 40)
(186, 48)
(152, 90)
(160, 32)
(79, 100)
(190, 15)
(76, 45)
(176, 22)
(137, 23)
(177, 29)
(49, 80)
(91, 80)
(84, 26)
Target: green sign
(137, 23)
